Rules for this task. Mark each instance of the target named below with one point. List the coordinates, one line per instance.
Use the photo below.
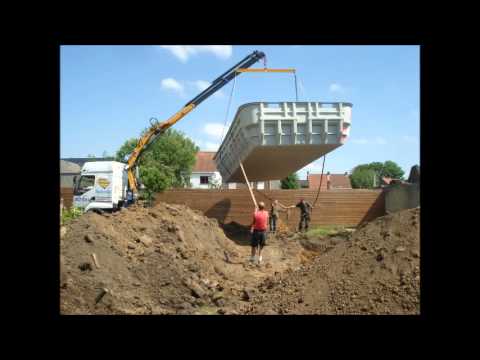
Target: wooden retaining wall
(334, 207)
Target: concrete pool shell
(273, 140)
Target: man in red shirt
(259, 231)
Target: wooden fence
(67, 195)
(334, 207)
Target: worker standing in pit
(274, 214)
(305, 209)
(258, 230)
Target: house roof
(81, 161)
(205, 162)
(67, 167)
(337, 181)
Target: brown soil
(172, 260)
(164, 260)
(375, 270)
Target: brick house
(329, 181)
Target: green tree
(290, 182)
(391, 169)
(125, 150)
(362, 178)
(367, 176)
(167, 162)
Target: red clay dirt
(173, 260)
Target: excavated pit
(173, 260)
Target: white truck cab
(101, 185)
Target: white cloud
(214, 129)
(201, 84)
(184, 52)
(205, 145)
(409, 139)
(173, 85)
(380, 140)
(336, 88)
(360, 141)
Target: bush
(70, 214)
(290, 182)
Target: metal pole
(248, 184)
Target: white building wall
(195, 179)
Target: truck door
(84, 191)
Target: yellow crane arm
(159, 128)
(147, 138)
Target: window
(84, 184)
(203, 180)
(287, 130)
(333, 132)
(301, 131)
(270, 132)
(318, 128)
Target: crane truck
(108, 185)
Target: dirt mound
(375, 270)
(168, 259)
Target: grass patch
(325, 230)
(70, 214)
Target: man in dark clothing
(305, 209)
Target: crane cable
(228, 107)
(321, 178)
(324, 156)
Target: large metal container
(273, 140)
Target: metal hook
(155, 121)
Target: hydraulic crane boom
(159, 128)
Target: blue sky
(109, 93)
